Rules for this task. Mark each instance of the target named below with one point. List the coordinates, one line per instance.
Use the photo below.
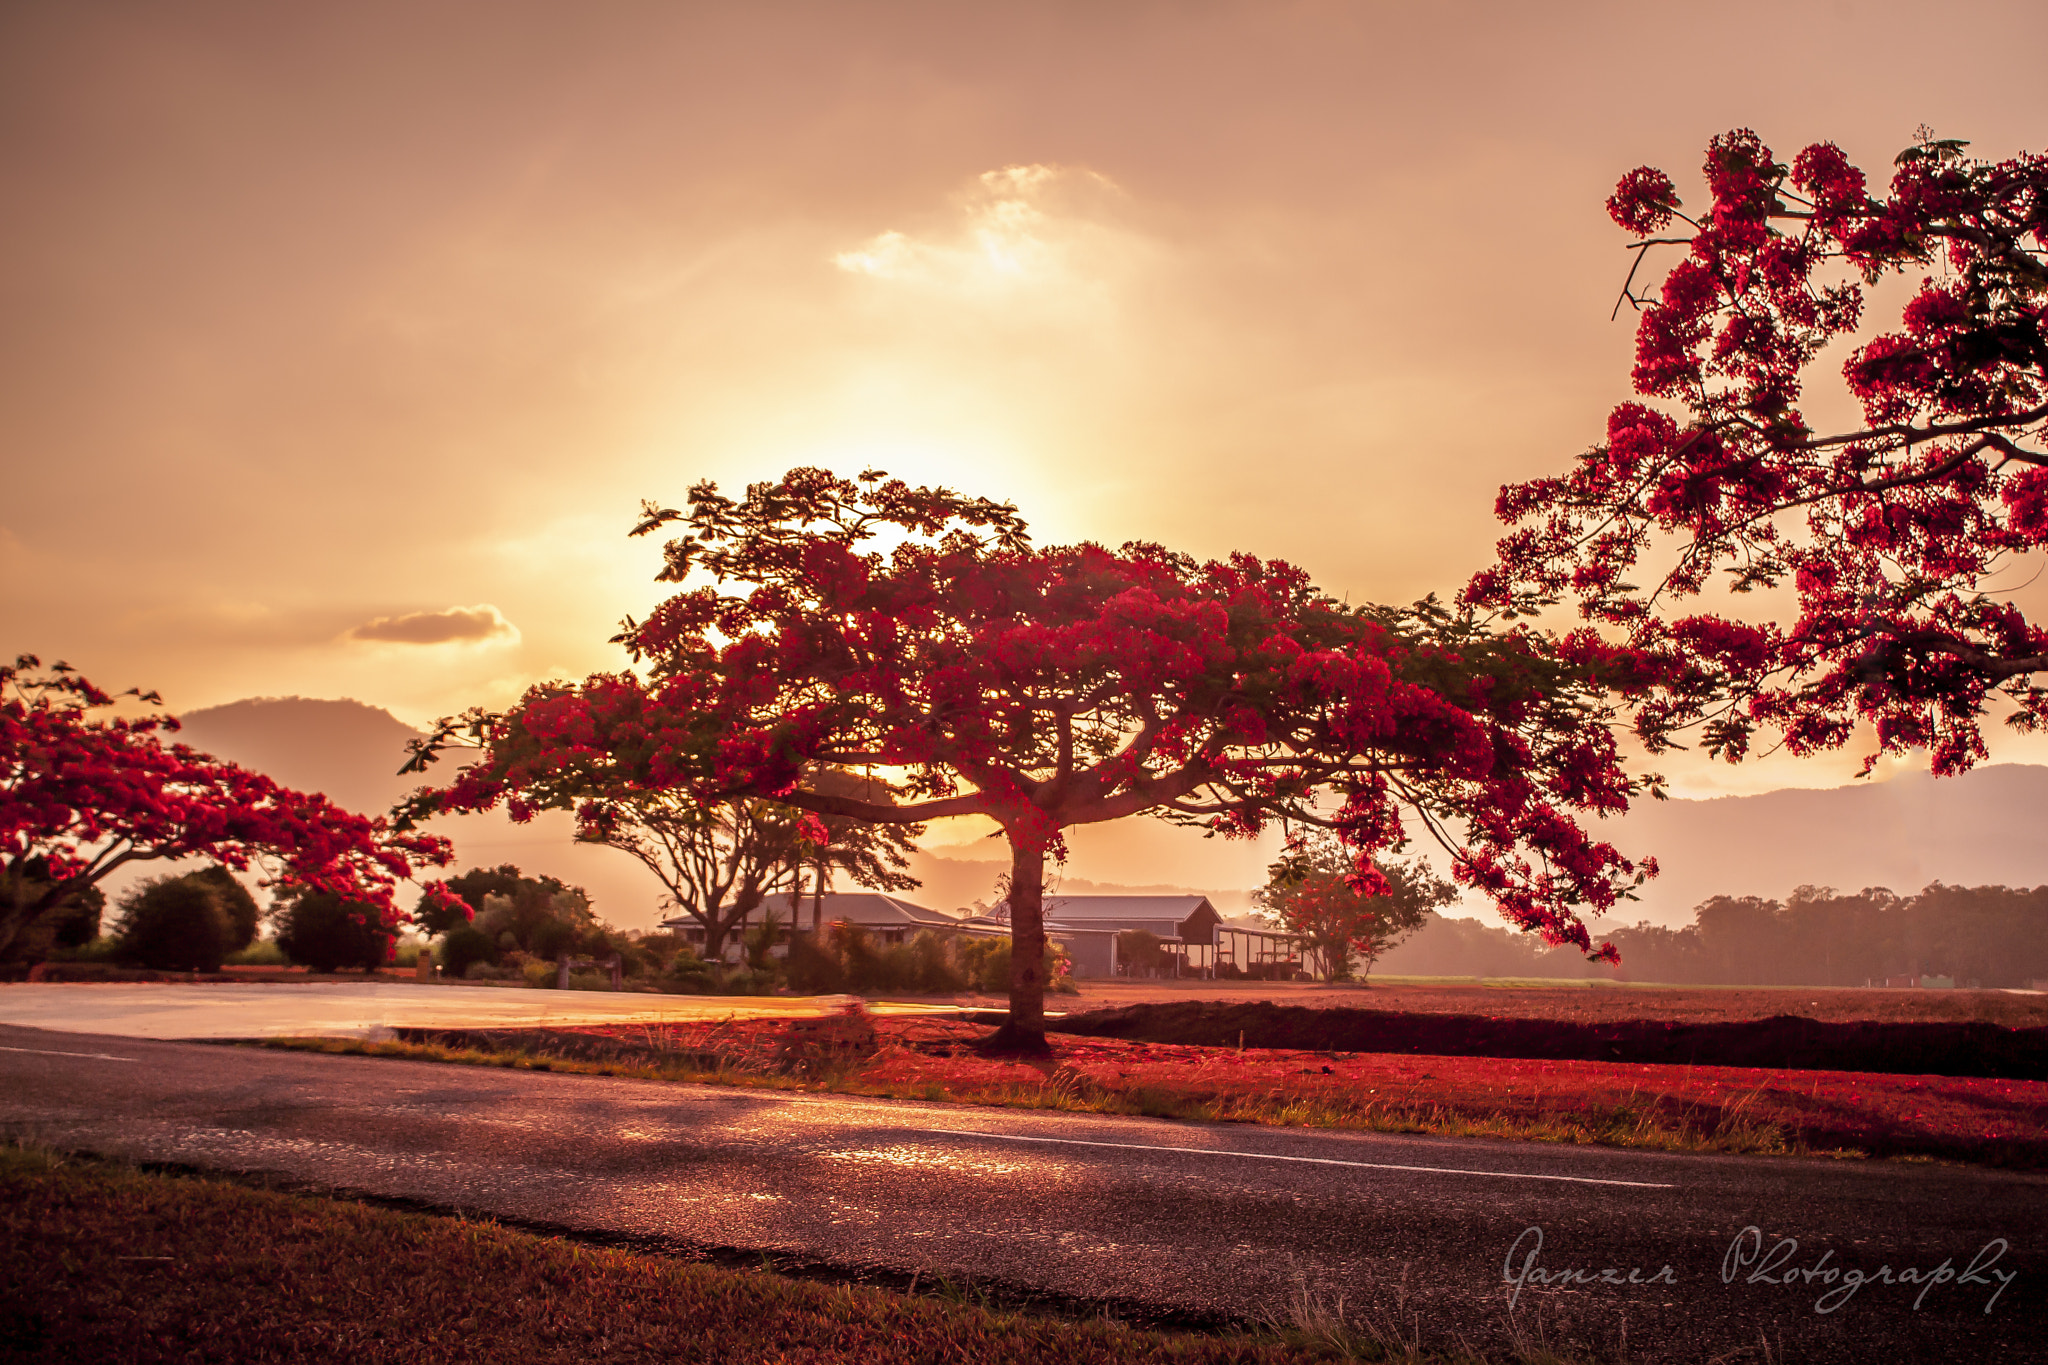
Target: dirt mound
(1784, 1042)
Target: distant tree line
(1994, 936)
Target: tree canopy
(82, 794)
(824, 621)
(1889, 531)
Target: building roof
(1081, 909)
(867, 908)
(872, 907)
(1166, 916)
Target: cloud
(1021, 226)
(481, 622)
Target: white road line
(95, 1056)
(1309, 1160)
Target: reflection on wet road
(1233, 1221)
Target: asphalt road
(1409, 1235)
(356, 1008)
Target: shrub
(541, 975)
(812, 968)
(482, 971)
(327, 933)
(76, 922)
(849, 960)
(262, 953)
(235, 902)
(691, 973)
(175, 924)
(659, 950)
(932, 968)
(986, 964)
(466, 946)
(551, 939)
(761, 940)
(1139, 952)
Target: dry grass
(103, 1263)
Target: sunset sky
(342, 342)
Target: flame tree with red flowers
(1889, 532)
(82, 794)
(869, 624)
(1314, 892)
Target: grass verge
(100, 1261)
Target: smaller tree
(176, 924)
(325, 932)
(1315, 891)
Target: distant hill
(352, 752)
(344, 749)
(1982, 828)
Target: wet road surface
(343, 1009)
(1413, 1236)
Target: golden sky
(341, 342)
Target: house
(1087, 927)
(887, 919)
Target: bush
(987, 966)
(175, 924)
(262, 953)
(660, 950)
(327, 933)
(466, 946)
(1140, 953)
(812, 969)
(761, 940)
(235, 902)
(541, 975)
(482, 971)
(849, 960)
(931, 966)
(692, 974)
(552, 939)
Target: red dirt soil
(1998, 1121)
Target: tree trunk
(1026, 1030)
(714, 937)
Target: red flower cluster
(1890, 532)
